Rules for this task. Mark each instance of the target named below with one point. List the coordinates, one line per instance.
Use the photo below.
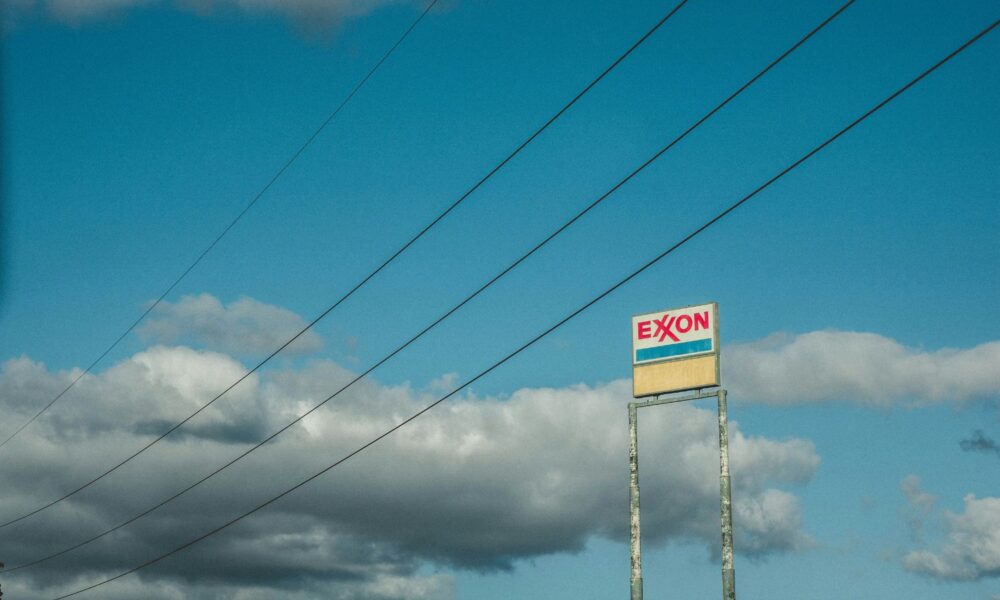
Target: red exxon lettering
(701, 320)
(643, 332)
(663, 326)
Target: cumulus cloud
(245, 326)
(313, 16)
(865, 368)
(479, 484)
(140, 396)
(972, 549)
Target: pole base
(636, 589)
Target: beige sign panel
(675, 350)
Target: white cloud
(919, 505)
(313, 16)
(972, 550)
(77, 12)
(770, 519)
(138, 396)
(245, 326)
(476, 484)
(865, 368)
(916, 497)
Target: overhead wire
(656, 259)
(367, 278)
(218, 238)
(468, 298)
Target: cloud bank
(478, 484)
(865, 368)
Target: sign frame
(690, 365)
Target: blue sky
(131, 137)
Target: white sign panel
(674, 334)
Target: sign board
(675, 350)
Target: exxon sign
(686, 336)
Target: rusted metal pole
(728, 574)
(635, 580)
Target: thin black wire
(573, 314)
(458, 306)
(232, 224)
(367, 278)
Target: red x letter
(663, 328)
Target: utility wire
(573, 314)
(458, 306)
(232, 223)
(367, 278)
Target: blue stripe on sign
(691, 347)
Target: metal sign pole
(725, 497)
(633, 502)
(728, 574)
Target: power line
(232, 223)
(358, 286)
(467, 299)
(573, 314)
